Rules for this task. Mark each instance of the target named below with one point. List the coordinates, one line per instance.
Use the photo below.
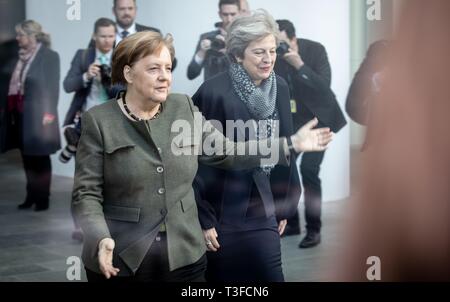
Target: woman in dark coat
(28, 108)
(243, 213)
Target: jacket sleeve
(74, 78)
(194, 69)
(317, 76)
(225, 154)
(87, 198)
(206, 212)
(52, 77)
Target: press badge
(293, 106)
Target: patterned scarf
(260, 102)
(26, 57)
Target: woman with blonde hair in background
(28, 110)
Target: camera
(72, 136)
(217, 44)
(105, 73)
(282, 49)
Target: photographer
(90, 78)
(210, 51)
(304, 65)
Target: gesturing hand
(308, 139)
(105, 256)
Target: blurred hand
(211, 240)
(308, 139)
(105, 256)
(93, 71)
(48, 119)
(294, 59)
(205, 45)
(221, 37)
(281, 226)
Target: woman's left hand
(308, 139)
(281, 226)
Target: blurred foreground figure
(402, 214)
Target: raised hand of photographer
(294, 59)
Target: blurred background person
(89, 77)
(304, 65)
(125, 12)
(366, 83)
(243, 213)
(29, 108)
(210, 51)
(402, 214)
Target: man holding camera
(90, 78)
(210, 51)
(304, 65)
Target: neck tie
(125, 34)
(103, 59)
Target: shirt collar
(131, 30)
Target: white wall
(321, 20)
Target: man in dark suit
(305, 66)
(85, 76)
(210, 52)
(125, 13)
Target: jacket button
(161, 191)
(159, 150)
(160, 169)
(163, 212)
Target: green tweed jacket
(132, 177)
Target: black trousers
(155, 268)
(38, 171)
(312, 185)
(246, 256)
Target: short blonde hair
(246, 29)
(135, 47)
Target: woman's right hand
(211, 240)
(105, 257)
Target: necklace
(134, 117)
